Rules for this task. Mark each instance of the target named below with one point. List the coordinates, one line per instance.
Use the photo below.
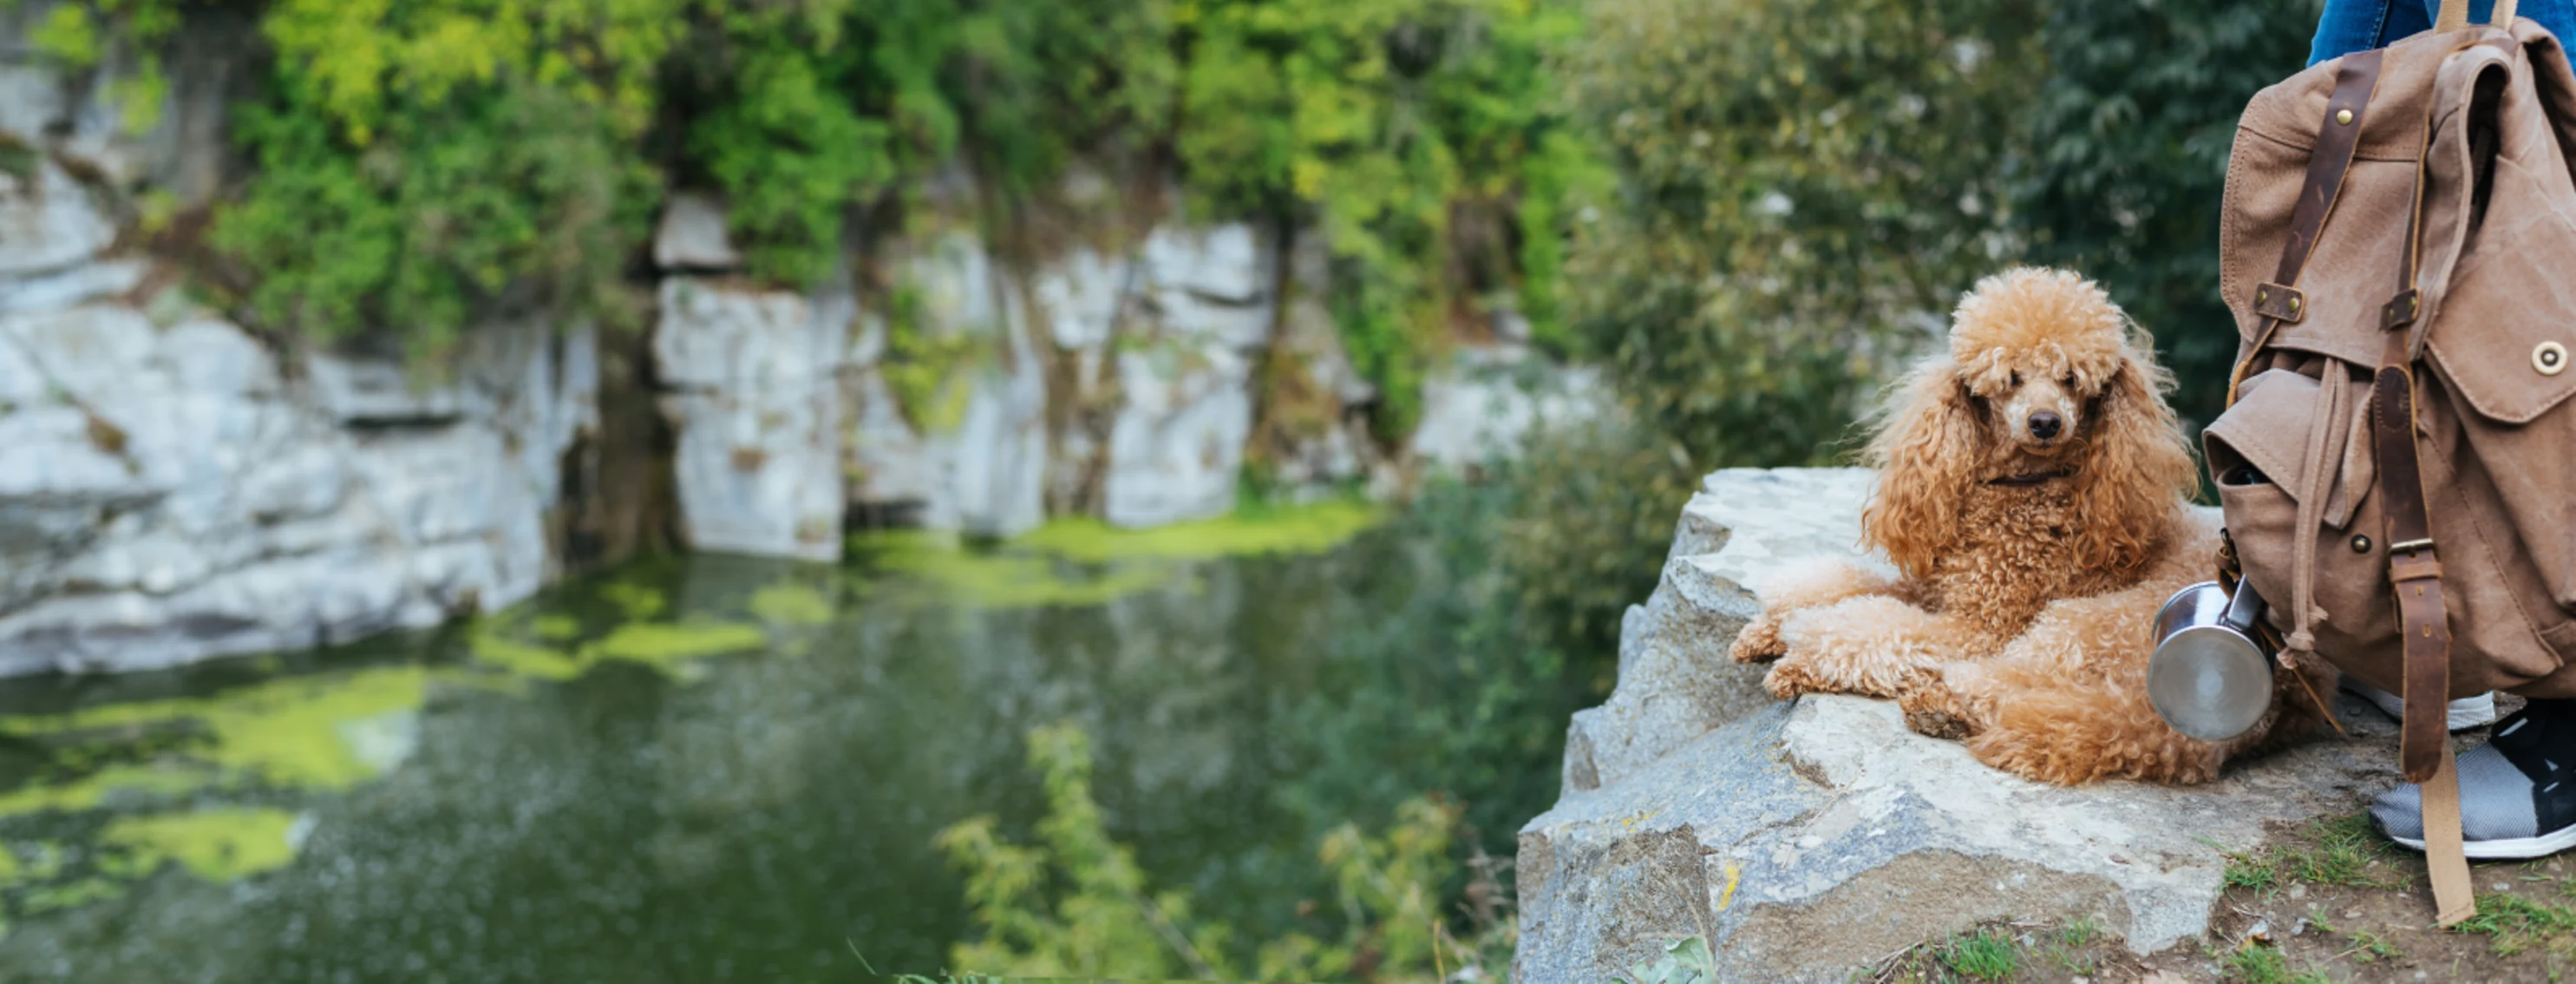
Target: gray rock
(48, 222)
(1176, 446)
(758, 415)
(1806, 839)
(76, 285)
(220, 512)
(978, 460)
(692, 235)
(1079, 293)
(1740, 528)
(1490, 399)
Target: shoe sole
(2510, 848)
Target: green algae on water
(285, 732)
(791, 603)
(216, 845)
(1313, 528)
(946, 571)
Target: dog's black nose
(2045, 424)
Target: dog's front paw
(1788, 680)
(1760, 641)
(1931, 720)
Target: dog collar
(2039, 478)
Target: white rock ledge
(1807, 839)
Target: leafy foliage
(1807, 186)
(81, 33)
(2130, 138)
(421, 163)
(424, 163)
(1421, 135)
(1077, 905)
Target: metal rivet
(2294, 305)
(2343, 116)
(2360, 544)
(2550, 358)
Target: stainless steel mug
(2211, 675)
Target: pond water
(712, 768)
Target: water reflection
(716, 768)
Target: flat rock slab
(1806, 839)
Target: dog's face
(2035, 354)
(2045, 386)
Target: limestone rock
(1177, 443)
(757, 411)
(48, 222)
(1808, 838)
(1490, 399)
(1742, 526)
(692, 235)
(164, 497)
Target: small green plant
(2255, 963)
(2518, 924)
(2080, 931)
(1985, 955)
(1075, 903)
(2367, 946)
(2254, 870)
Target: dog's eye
(2016, 379)
(2068, 381)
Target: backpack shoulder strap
(2279, 300)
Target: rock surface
(166, 497)
(1490, 398)
(756, 405)
(1809, 838)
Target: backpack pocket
(2256, 450)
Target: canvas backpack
(2397, 462)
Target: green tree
(2130, 139)
(1806, 187)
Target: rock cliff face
(1806, 839)
(937, 382)
(175, 487)
(169, 490)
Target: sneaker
(2466, 712)
(2517, 791)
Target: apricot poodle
(2034, 496)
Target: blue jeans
(2360, 25)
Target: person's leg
(2517, 791)
(2360, 25)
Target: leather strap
(2454, 898)
(2356, 78)
(2413, 571)
(2415, 576)
(2454, 15)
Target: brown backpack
(2397, 246)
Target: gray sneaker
(2517, 791)
(2466, 712)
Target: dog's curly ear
(1927, 448)
(2136, 465)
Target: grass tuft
(1984, 955)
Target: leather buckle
(2400, 310)
(2413, 566)
(2280, 302)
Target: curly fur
(2033, 494)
